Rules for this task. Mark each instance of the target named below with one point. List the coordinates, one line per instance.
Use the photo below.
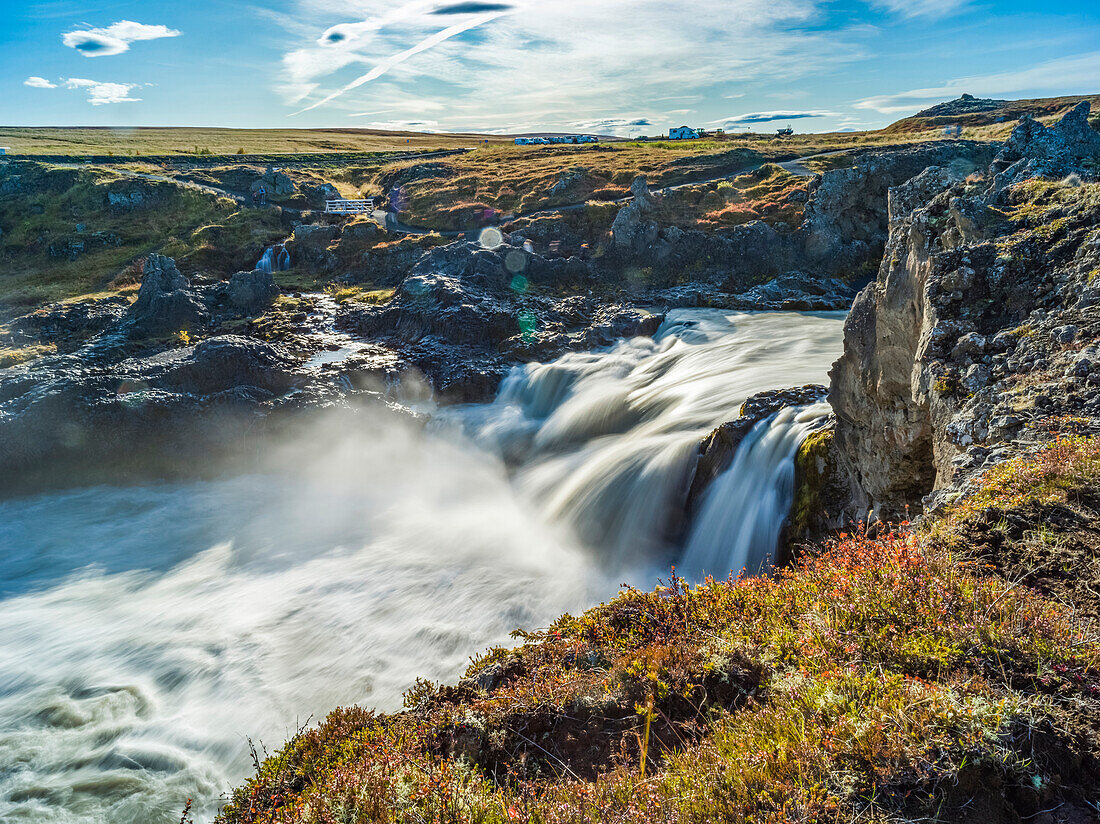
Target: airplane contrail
(396, 59)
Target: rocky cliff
(980, 334)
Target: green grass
(58, 207)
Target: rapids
(146, 632)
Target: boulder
(276, 183)
(229, 361)
(251, 292)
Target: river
(146, 632)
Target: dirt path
(797, 167)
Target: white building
(683, 133)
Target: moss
(360, 294)
(14, 356)
(813, 467)
(1054, 474)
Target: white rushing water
(745, 507)
(274, 259)
(605, 440)
(146, 632)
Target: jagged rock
(1050, 151)
(165, 302)
(952, 330)
(309, 246)
(276, 183)
(631, 231)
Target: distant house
(4, 150)
(683, 133)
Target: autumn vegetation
(882, 677)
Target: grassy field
(457, 192)
(183, 141)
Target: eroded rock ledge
(982, 330)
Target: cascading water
(744, 509)
(145, 632)
(274, 259)
(604, 440)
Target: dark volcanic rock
(222, 363)
(464, 316)
(251, 292)
(799, 291)
(165, 303)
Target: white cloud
(934, 9)
(769, 117)
(115, 39)
(548, 63)
(100, 94)
(1064, 75)
(39, 83)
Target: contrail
(401, 57)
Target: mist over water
(146, 632)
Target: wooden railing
(350, 207)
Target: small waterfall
(267, 262)
(745, 508)
(275, 259)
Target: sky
(624, 67)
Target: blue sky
(608, 66)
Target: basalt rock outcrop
(843, 231)
(981, 330)
(465, 315)
(169, 303)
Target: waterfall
(267, 262)
(604, 441)
(146, 632)
(275, 259)
(746, 506)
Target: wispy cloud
(115, 39)
(394, 60)
(548, 63)
(934, 9)
(39, 83)
(100, 93)
(769, 117)
(1064, 75)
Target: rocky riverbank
(191, 367)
